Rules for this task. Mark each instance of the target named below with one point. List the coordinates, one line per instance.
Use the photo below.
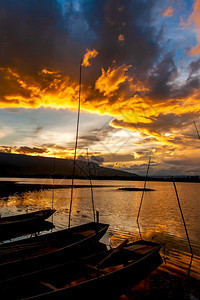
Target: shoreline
(194, 179)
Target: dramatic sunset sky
(140, 81)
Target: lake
(159, 220)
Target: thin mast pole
(76, 142)
(144, 189)
(92, 195)
(54, 164)
(179, 204)
(52, 178)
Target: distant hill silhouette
(18, 165)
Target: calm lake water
(160, 218)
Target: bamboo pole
(92, 195)
(179, 204)
(53, 192)
(144, 189)
(76, 142)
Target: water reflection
(160, 218)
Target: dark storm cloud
(192, 84)
(30, 33)
(139, 46)
(191, 87)
(37, 34)
(194, 67)
(161, 78)
(124, 33)
(132, 19)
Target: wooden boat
(16, 222)
(93, 277)
(26, 231)
(48, 249)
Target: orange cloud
(42, 150)
(117, 93)
(121, 39)
(49, 90)
(169, 12)
(110, 81)
(194, 18)
(89, 54)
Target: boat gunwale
(103, 277)
(20, 217)
(45, 236)
(55, 251)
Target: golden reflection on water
(160, 218)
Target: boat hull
(82, 279)
(18, 222)
(49, 249)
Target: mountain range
(19, 165)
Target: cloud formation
(119, 72)
(89, 54)
(111, 79)
(194, 19)
(168, 12)
(131, 74)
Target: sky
(140, 87)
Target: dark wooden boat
(48, 249)
(13, 223)
(93, 277)
(26, 231)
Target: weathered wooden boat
(26, 231)
(16, 222)
(92, 277)
(48, 249)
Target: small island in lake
(136, 189)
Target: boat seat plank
(88, 232)
(49, 285)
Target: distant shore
(12, 186)
(108, 178)
(26, 166)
